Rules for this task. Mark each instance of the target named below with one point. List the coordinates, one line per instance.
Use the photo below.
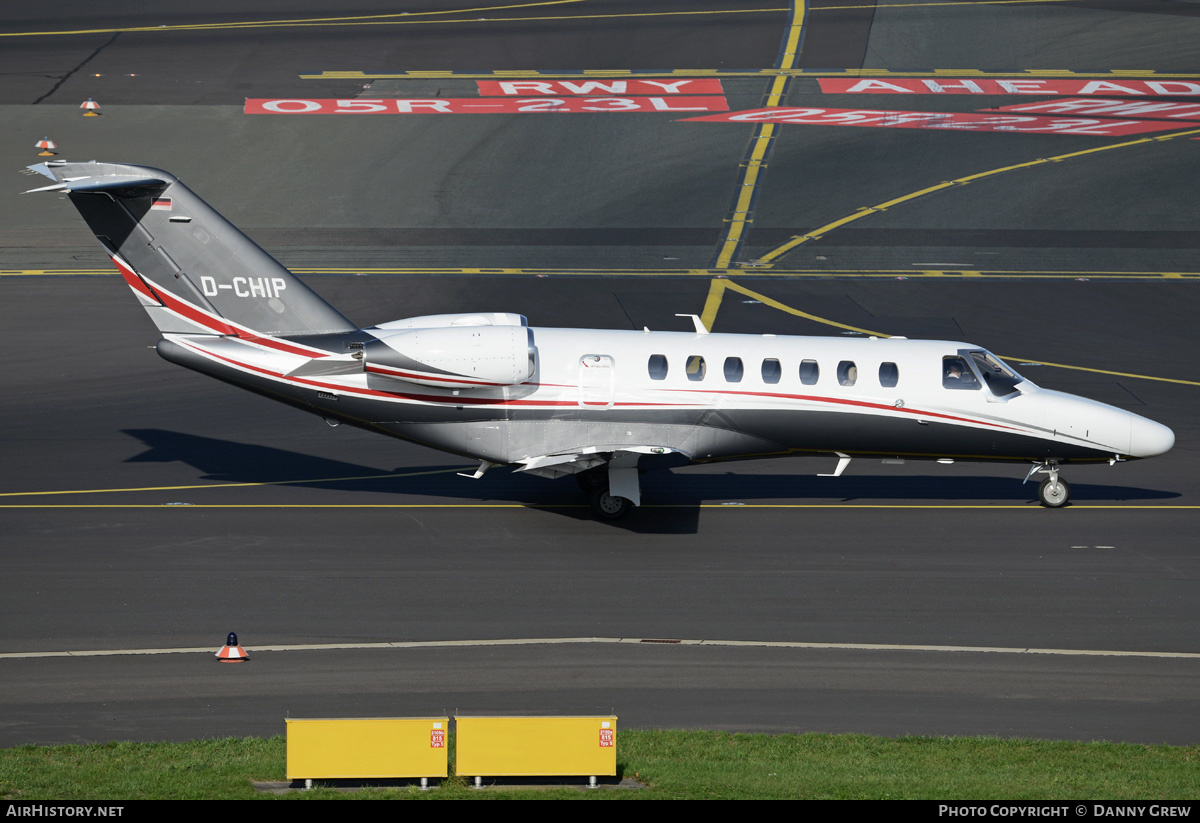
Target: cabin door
(597, 381)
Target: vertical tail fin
(192, 270)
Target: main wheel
(1054, 493)
(609, 506)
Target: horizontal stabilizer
(104, 184)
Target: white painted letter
(1100, 86)
(662, 104)
(292, 106)
(1024, 87)
(1160, 87)
(591, 86)
(969, 85)
(407, 106)
(877, 85)
(519, 87)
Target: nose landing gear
(1053, 492)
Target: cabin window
(657, 366)
(956, 374)
(771, 370)
(733, 369)
(695, 367)
(809, 372)
(847, 373)
(889, 375)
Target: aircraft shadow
(680, 494)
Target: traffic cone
(231, 652)
(89, 107)
(47, 147)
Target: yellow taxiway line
(237, 485)
(444, 74)
(819, 232)
(719, 286)
(406, 18)
(736, 271)
(760, 144)
(366, 19)
(1030, 506)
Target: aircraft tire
(609, 506)
(1054, 495)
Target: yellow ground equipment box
(367, 747)
(533, 746)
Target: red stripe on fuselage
(416, 376)
(484, 401)
(861, 403)
(420, 398)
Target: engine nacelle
(438, 321)
(465, 356)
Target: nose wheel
(1053, 492)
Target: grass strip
(666, 764)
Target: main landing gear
(1053, 492)
(608, 506)
(604, 486)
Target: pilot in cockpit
(956, 375)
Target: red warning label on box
(437, 738)
(606, 738)
(957, 121)
(492, 105)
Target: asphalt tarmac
(146, 509)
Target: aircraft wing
(559, 465)
(622, 462)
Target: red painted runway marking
(954, 121)
(559, 88)
(1110, 108)
(1016, 85)
(515, 105)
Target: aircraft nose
(1148, 439)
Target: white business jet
(602, 405)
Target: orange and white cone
(47, 147)
(231, 652)
(89, 107)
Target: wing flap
(573, 462)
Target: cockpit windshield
(997, 376)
